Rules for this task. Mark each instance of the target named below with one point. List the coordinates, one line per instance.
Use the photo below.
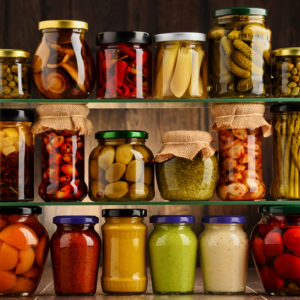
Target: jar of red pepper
(124, 64)
(75, 250)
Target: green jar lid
(121, 134)
(240, 10)
(285, 209)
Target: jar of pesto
(186, 166)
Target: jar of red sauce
(62, 166)
(75, 251)
(124, 64)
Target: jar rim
(63, 24)
(290, 51)
(114, 37)
(16, 115)
(180, 36)
(165, 219)
(14, 53)
(110, 213)
(20, 210)
(240, 10)
(79, 220)
(117, 134)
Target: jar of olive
(14, 74)
(239, 53)
(286, 72)
(120, 167)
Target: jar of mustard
(124, 256)
(120, 167)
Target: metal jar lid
(20, 210)
(121, 134)
(166, 219)
(63, 24)
(16, 115)
(180, 36)
(16, 53)
(291, 51)
(114, 37)
(240, 10)
(111, 213)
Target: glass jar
(180, 65)
(286, 72)
(16, 155)
(239, 45)
(62, 166)
(24, 245)
(173, 254)
(224, 250)
(275, 244)
(124, 64)
(124, 251)
(14, 74)
(240, 163)
(63, 65)
(286, 159)
(75, 251)
(120, 167)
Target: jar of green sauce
(173, 254)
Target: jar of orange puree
(124, 256)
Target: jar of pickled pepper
(239, 47)
(124, 65)
(63, 65)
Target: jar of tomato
(75, 251)
(124, 64)
(62, 166)
(124, 256)
(275, 248)
(24, 245)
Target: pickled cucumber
(106, 157)
(124, 154)
(134, 171)
(138, 191)
(115, 172)
(116, 190)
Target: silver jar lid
(180, 36)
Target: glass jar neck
(216, 226)
(116, 142)
(123, 220)
(239, 18)
(71, 227)
(167, 226)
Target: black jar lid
(113, 37)
(285, 107)
(109, 213)
(277, 209)
(20, 210)
(17, 115)
(240, 10)
(121, 134)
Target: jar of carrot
(124, 256)
(24, 246)
(75, 250)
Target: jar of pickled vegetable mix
(124, 251)
(239, 48)
(124, 64)
(75, 252)
(275, 248)
(16, 155)
(63, 65)
(14, 74)
(286, 72)
(180, 65)
(24, 245)
(120, 167)
(286, 159)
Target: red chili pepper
(120, 71)
(123, 91)
(129, 53)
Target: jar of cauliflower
(224, 252)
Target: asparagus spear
(294, 161)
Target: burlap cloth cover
(237, 115)
(63, 117)
(185, 144)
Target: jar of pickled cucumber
(14, 74)
(239, 48)
(286, 72)
(180, 65)
(120, 167)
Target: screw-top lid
(290, 209)
(240, 10)
(180, 36)
(76, 220)
(15, 53)
(224, 219)
(20, 210)
(109, 213)
(286, 107)
(172, 219)
(291, 51)
(63, 24)
(18, 115)
(119, 134)
(113, 37)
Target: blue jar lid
(224, 219)
(75, 220)
(172, 219)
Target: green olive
(115, 172)
(116, 190)
(106, 158)
(134, 171)
(138, 191)
(124, 154)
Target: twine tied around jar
(240, 115)
(63, 117)
(186, 144)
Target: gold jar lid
(67, 24)
(14, 53)
(292, 51)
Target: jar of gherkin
(120, 167)
(239, 53)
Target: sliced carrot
(42, 251)
(34, 272)
(19, 236)
(26, 261)
(7, 280)
(8, 257)
(23, 285)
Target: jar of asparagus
(286, 72)
(239, 48)
(286, 151)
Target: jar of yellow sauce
(124, 251)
